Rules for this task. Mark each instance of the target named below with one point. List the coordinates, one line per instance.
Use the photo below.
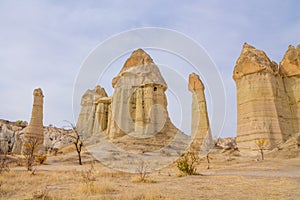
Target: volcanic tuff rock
(262, 103)
(201, 134)
(35, 129)
(12, 137)
(138, 106)
(290, 70)
(87, 119)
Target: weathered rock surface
(201, 135)
(13, 133)
(34, 130)
(290, 70)
(88, 121)
(138, 106)
(262, 103)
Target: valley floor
(235, 178)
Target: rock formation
(35, 128)
(263, 108)
(88, 122)
(201, 134)
(290, 71)
(138, 106)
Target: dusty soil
(229, 177)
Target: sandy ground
(228, 178)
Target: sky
(44, 43)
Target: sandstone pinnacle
(252, 60)
(290, 64)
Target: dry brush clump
(90, 185)
(142, 174)
(42, 194)
(187, 163)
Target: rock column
(34, 132)
(200, 122)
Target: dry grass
(96, 188)
(240, 179)
(139, 179)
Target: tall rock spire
(35, 128)
(201, 135)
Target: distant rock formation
(34, 130)
(263, 106)
(202, 138)
(12, 134)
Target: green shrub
(186, 164)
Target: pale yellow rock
(34, 131)
(90, 117)
(290, 70)
(139, 106)
(200, 132)
(262, 105)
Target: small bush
(21, 123)
(142, 174)
(88, 176)
(186, 164)
(41, 158)
(41, 194)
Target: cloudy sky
(44, 43)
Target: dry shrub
(186, 164)
(142, 174)
(88, 176)
(41, 194)
(41, 158)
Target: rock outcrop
(263, 107)
(290, 71)
(138, 106)
(34, 130)
(200, 132)
(91, 115)
(12, 134)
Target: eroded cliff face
(263, 106)
(290, 71)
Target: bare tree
(30, 149)
(142, 171)
(76, 140)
